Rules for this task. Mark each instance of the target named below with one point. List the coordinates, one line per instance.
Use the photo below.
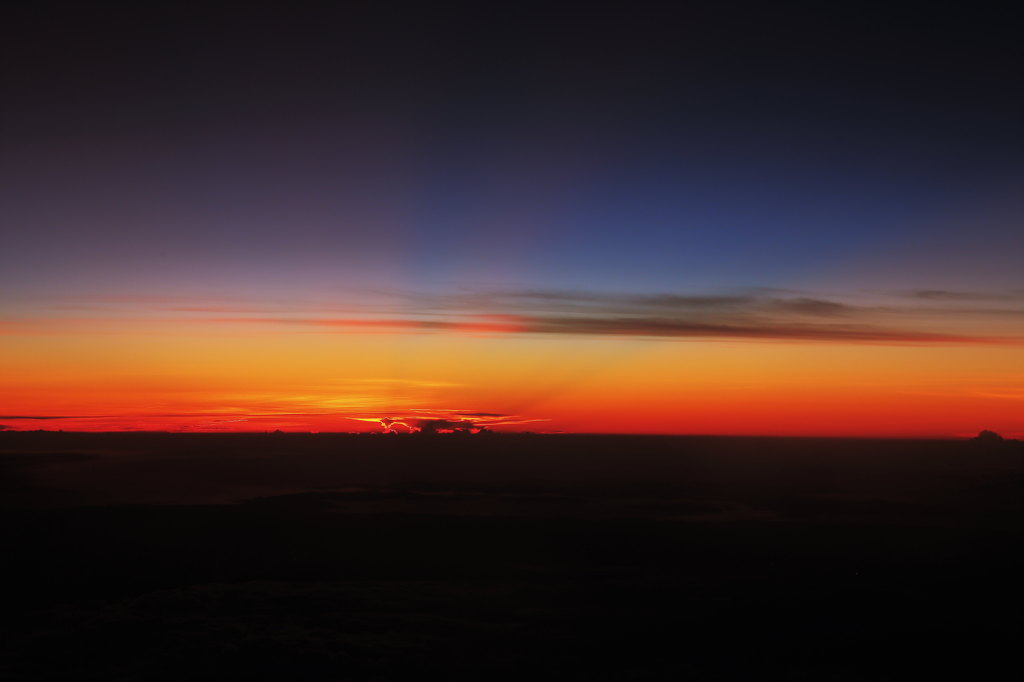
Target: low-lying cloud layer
(920, 316)
(909, 318)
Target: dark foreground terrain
(333, 557)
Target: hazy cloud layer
(946, 295)
(639, 327)
(921, 316)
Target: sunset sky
(738, 218)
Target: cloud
(777, 304)
(481, 325)
(814, 306)
(424, 420)
(635, 326)
(760, 313)
(920, 316)
(947, 295)
(681, 328)
(447, 425)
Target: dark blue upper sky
(305, 150)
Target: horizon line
(434, 436)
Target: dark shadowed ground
(335, 557)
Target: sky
(710, 217)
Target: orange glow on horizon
(158, 375)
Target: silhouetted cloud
(444, 425)
(947, 295)
(664, 327)
(668, 327)
(441, 421)
(814, 306)
(759, 304)
(656, 300)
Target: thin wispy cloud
(639, 327)
(942, 295)
(908, 317)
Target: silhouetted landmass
(327, 557)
